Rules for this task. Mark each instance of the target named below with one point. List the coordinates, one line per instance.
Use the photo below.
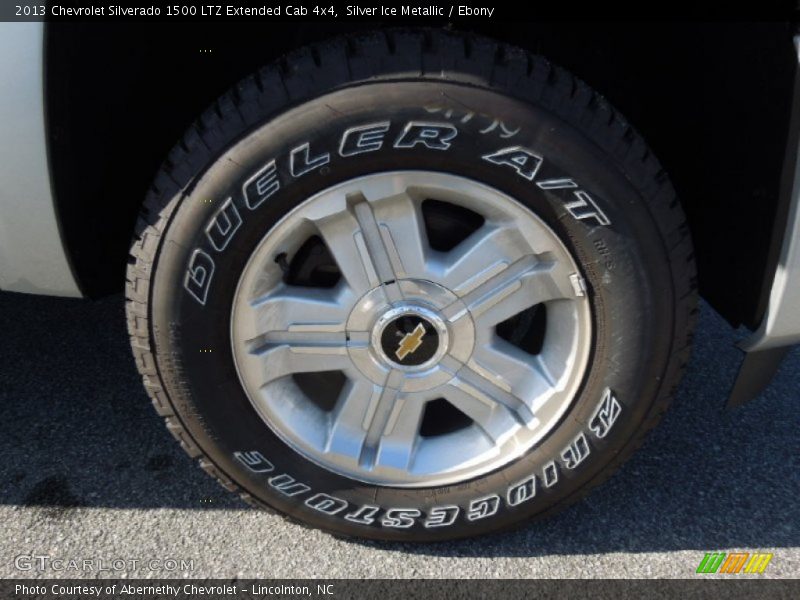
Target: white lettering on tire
(355, 141)
(198, 275)
(550, 474)
(525, 162)
(441, 516)
(223, 225)
(435, 136)
(522, 491)
(364, 138)
(254, 461)
(400, 518)
(301, 162)
(576, 452)
(364, 515)
(287, 485)
(584, 207)
(481, 508)
(562, 183)
(605, 415)
(330, 505)
(261, 186)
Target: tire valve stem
(578, 284)
(283, 263)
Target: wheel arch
(119, 96)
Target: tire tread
(403, 54)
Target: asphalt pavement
(88, 472)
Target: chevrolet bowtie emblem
(410, 342)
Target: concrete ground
(89, 472)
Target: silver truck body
(34, 258)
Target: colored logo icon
(410, 342)
(734, 562)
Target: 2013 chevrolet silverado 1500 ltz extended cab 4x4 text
(409, 284)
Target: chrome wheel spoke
(295, 309)
(401, 374)
(323, 343)
(494, 420)
(521, 374)
(400, 435)
(292, 357)
(522, 284)
(487, 252)
(402, 232)
(487, 388)
(299, 331)
(376, 242)
(392, 428)
(344, 240)
(348, 421)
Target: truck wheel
(411, 286)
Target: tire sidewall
(623, 262)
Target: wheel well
(712, 100)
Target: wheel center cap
(410, 337)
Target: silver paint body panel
(33, 258)
(32, 254)
(781, 323)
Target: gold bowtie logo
(410, 342)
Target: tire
(457, 111)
